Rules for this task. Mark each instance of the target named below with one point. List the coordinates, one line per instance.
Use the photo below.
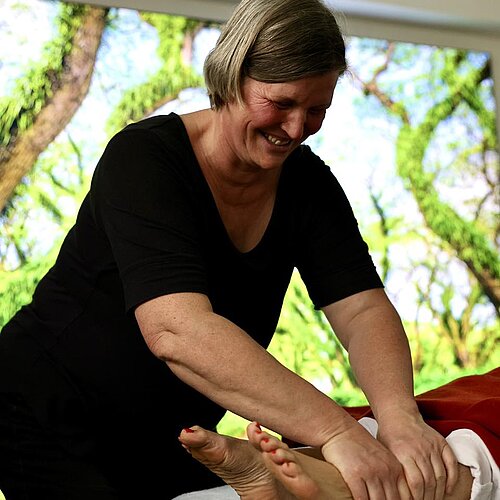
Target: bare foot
(235, 461)
(301, 472)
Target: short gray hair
(273, 41)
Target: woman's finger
(429, 479)
(375, 490)
(439, 475)
(451, 464)
(403, 489)
(358, 490)
(414, 479)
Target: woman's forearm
(218, 359)
(381, 360)
(253, 384)
(371, 330)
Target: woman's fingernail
(188, 430)
(259, 430)
(265, 440)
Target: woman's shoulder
(154, 146)
(160, 136)
(167, 128)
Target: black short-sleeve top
(149, 226)
(152, 208)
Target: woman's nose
(294, 124)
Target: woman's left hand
(429, 464)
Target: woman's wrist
(349, 427)
(395, 412)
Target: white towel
(220, 493)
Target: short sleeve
(333, 259)
(142, 199)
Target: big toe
(205, 444)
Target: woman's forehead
(321, 86)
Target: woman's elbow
(161, 343)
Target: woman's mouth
(276, 141)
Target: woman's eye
(316, 112)
(281, 105)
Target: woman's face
(276, 118)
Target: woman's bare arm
(214, 356)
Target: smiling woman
(169, 287)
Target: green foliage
(49, 196)
(459, 81)
(36, 87)
(172, 31)
(17, 287)
(41, 200)
(233, 425)
(305, 342)
(144, 99)
(174, 75)
(465, 237)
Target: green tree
(460, 83)
(176, 36)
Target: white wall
(451, 23)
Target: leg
(463, 487)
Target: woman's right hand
(370, 470)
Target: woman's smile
(276, 141)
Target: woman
(170, 284)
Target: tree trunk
(68, 91)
